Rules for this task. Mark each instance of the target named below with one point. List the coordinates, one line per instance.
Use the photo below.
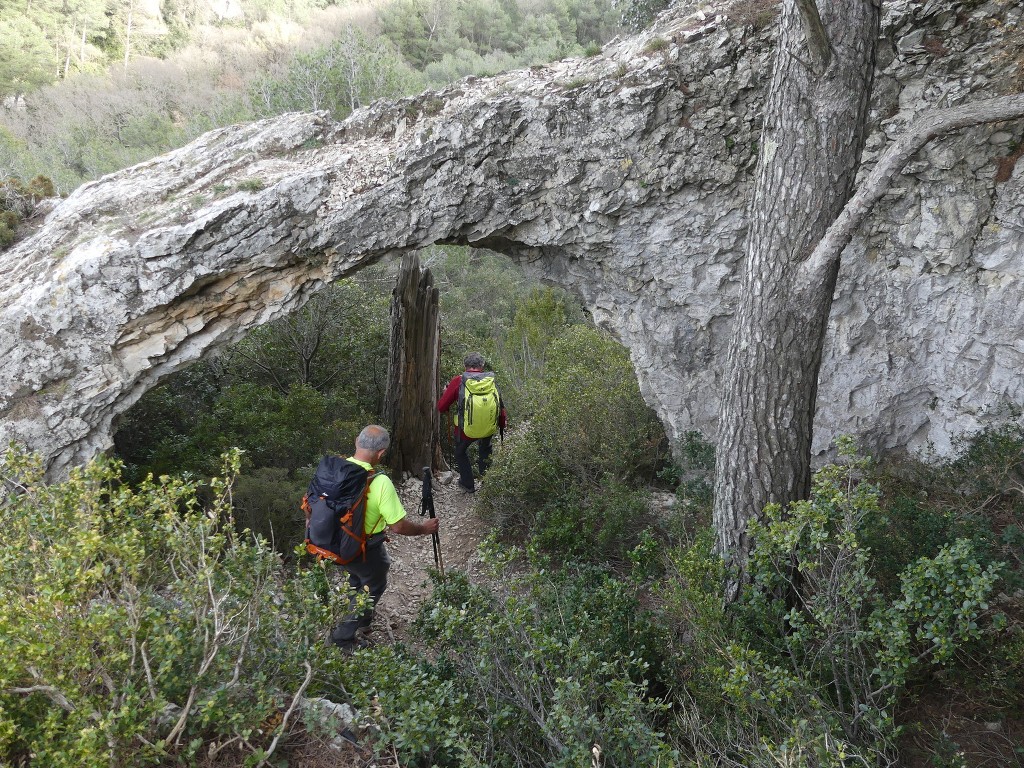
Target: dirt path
(408, 584)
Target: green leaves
(26, 59)
(824, 642)
(571, 477)
(536, 671)
(938, 609)
(119, 605)
(350, 72)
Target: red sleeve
(450, 394)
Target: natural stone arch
(623, 177)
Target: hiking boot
(464, 489)
(351, 646)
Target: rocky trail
(411, 557)
(409, 587)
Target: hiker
(383, 510)
(480, 415)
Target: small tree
(137, 623)
(803, 214)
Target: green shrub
(8, 227)
(41, 187)
(815, 658)
(591, 414)
(266, 501)
(602, 524)
(17, 199)
(571, 475)
(977, 495)
(539, 672)
(136, 623)
(286, 430)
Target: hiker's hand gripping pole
(427, 508)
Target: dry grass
(949, 728)
(1005, 165)
(755, 13)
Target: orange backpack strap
(306, 509)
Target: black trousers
(371, 574)
(462, 459)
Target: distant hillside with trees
(89, 87)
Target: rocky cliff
(623, 176)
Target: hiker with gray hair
(384, 511)
(480, 414)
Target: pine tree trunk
(814, 131)
(414, 374)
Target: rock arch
(622, 176)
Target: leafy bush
(350, 72)
(978, 494)
(266, 501)
(554, 669)
(573, 471)
(602, 524)
(816, 656)
(137, 623)
(8, 227)
(690, 474)
(17, 199)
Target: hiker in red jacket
(479, 415)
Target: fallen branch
(53, 694)
(284, 720)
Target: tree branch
(284, 720)
(52, 693)
(819, 48)
(919, 133)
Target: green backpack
(479, 404)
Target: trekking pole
(427, 508)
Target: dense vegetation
(153, 615)
(161, 626)
(88, 88)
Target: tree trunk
(814, 131)
(128, 33)
(414, 373)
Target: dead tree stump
(414, 374)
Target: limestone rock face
(624, 177)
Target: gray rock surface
(624, 177)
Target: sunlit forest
(92, 87)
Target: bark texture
(811, 143)
(793, 251)
(414, 373)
